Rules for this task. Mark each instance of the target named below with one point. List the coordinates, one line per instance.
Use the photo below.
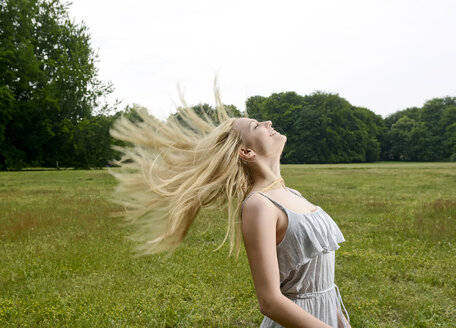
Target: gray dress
(306, 257)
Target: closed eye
(257, 126)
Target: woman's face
(260, 138)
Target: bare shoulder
(257, 206)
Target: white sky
(383, 55)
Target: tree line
(326, 128)
(52, 113)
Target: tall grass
(64, 262)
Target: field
(65, 263)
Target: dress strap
(272, 200)
(242, 205)
(248, 197)
(283, 208)
(342, 303)
(294, 191)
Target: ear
(246, 153)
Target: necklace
(274, 183)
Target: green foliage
(50, 108)
(92, 142)
(48, 82)
(422, 134)
(325, 128)
(320, 128)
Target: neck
(266, 176)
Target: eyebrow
(250, 124)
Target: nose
(268, 124)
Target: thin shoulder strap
(272, 200)
(248, 197)
(290, 189)
(294, 191)
(275, 202)
(242, 205)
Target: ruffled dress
(306, 258)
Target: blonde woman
(171, 170)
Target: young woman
(170, 170)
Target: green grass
(64, 262)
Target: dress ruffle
(318, 233)
(307, 235)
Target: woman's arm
(259, 234)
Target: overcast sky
(382, 55)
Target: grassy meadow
(65, 263)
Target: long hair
(171, 170)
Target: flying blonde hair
(171, 170)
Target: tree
(320, 128)
(48, 82)
(448, 124)
(92, 142)
(375, 127)
(403, 135)
(422, 134)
